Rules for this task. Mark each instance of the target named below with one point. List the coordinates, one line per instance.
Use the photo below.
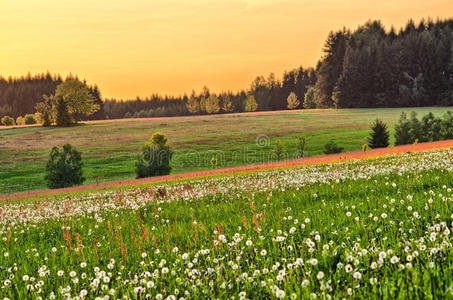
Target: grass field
(362, 229)
(110, 148)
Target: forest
(366, 67)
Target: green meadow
(110, 148)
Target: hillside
(110, 148)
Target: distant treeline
(368, 67)
(19, 96)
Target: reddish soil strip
(298, 162)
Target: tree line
(366, 67)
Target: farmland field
(110, 149)
(371, 228)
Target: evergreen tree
(379, 135)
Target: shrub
(155, 157)
(30, 119)
(8, 121)
(364, 147)
(64, 167)
(379, 135)
(20, 121)
(278, 150)
(332, 147)
(403, 131)
(302, 142)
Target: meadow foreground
(367, 228)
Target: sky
(138, 47)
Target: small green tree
(8, 121)
(292, 100)
(309, 98)
(45, 109)
(212, 105)
(62, 116)
(416, 128)
(446, 126)
(214, 162)
(155, 157)
(227, 104)
(301, 143)
(332, 147)
(403, 131)
(379, 135)
(278, 150)
(193, 105)
(250, 104)
(64, 167)
(77, 97)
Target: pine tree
(379, 135)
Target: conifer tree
(379, 135)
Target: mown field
(110, 149)
(376, 228)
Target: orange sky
(137, 47)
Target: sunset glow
(139, 47)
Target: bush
(64, 167)
(8, 121)
(332, 147)
(20, 121)
(155, 157)
(379, 135)
(403, 131)
(30, 119)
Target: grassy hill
(110, 148)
